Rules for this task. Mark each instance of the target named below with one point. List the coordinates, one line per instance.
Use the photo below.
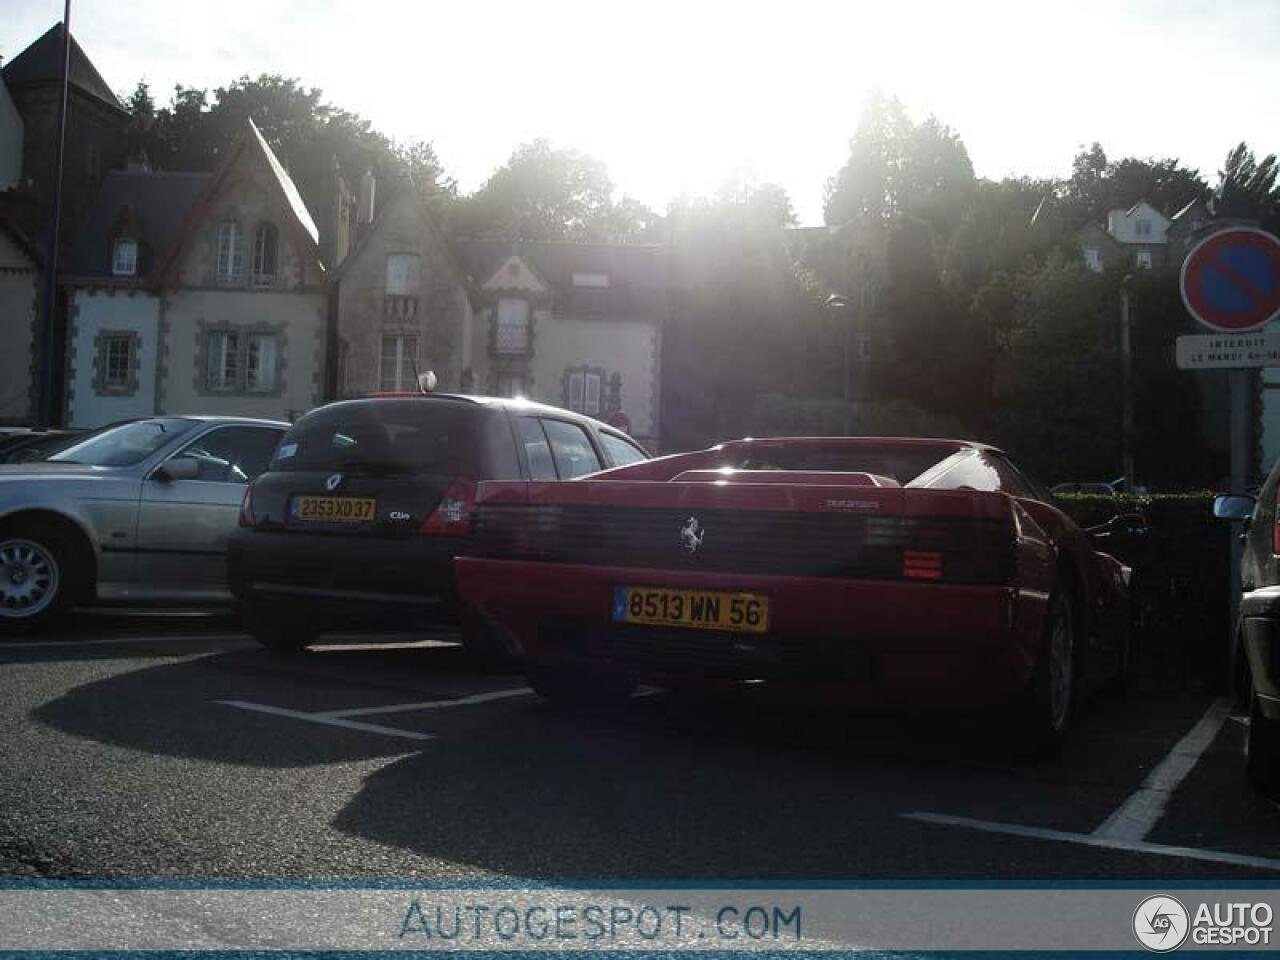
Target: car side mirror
(1233, 506)
(180, 468)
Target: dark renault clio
(363, 508)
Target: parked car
(36, 445)
(138, 512)
(1256, 646)
(895, 571)
(367, 502)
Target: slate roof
(41, 63)
(637, 274)
(157, 205)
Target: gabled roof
(1142, 202)
(1188, 208)
(20, 239)
(41, 63)
(405, 194)
(637, 273)
(248, 139)
(290, 190)
(156, 204)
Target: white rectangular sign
(1226, 351)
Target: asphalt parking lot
(172, 746)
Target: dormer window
(1142, 227)
(230, 257)
(124, 258)
(266, 247)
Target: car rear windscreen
(411, 436)
(902, 462)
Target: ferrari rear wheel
(1043, 714)
(580, 687)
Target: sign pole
(1126, 387)
(1230, 283)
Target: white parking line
(1138, 815)
(342, 718)
(326, 720)
(1093, 840)
(1129, 824)
(114, 641)
(427, 704)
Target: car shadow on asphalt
(179, 709)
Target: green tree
(1247, 186)
(897, 168)
(545, 192)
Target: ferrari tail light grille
(922, 565)
(946, 549)
(453, 514)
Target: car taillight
(246, 509)
(452, 516)
(922, 564)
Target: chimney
(364, 216)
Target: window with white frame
(1143, 259)
(223, 354)
(117, 362)
(124, 258)
(261, 352)
(512, 333)
(266, 252)
(230, 256)
(404, 274)
(585, 388)
(591, 280)
(1142, 227)
(1093, 259)
(399, 361)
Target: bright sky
(683, 97)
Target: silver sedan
(138, 512)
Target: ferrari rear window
(901, 462)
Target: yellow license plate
(334, 509)
(701, 609)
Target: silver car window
(232, 454)
(125, 445)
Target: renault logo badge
(333, 482)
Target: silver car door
(184, 524)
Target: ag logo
(1161, 923)
(332, 483)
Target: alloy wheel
(29, 578)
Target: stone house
(197, 294)
(574, 325)
(402, 303)
(19, 310)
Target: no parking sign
(1231, 280)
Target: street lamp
(1126, 385)
(842, 307)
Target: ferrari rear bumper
(892, 642)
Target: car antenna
(426, 382)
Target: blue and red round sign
(1231, 280)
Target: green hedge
(1181, 565)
